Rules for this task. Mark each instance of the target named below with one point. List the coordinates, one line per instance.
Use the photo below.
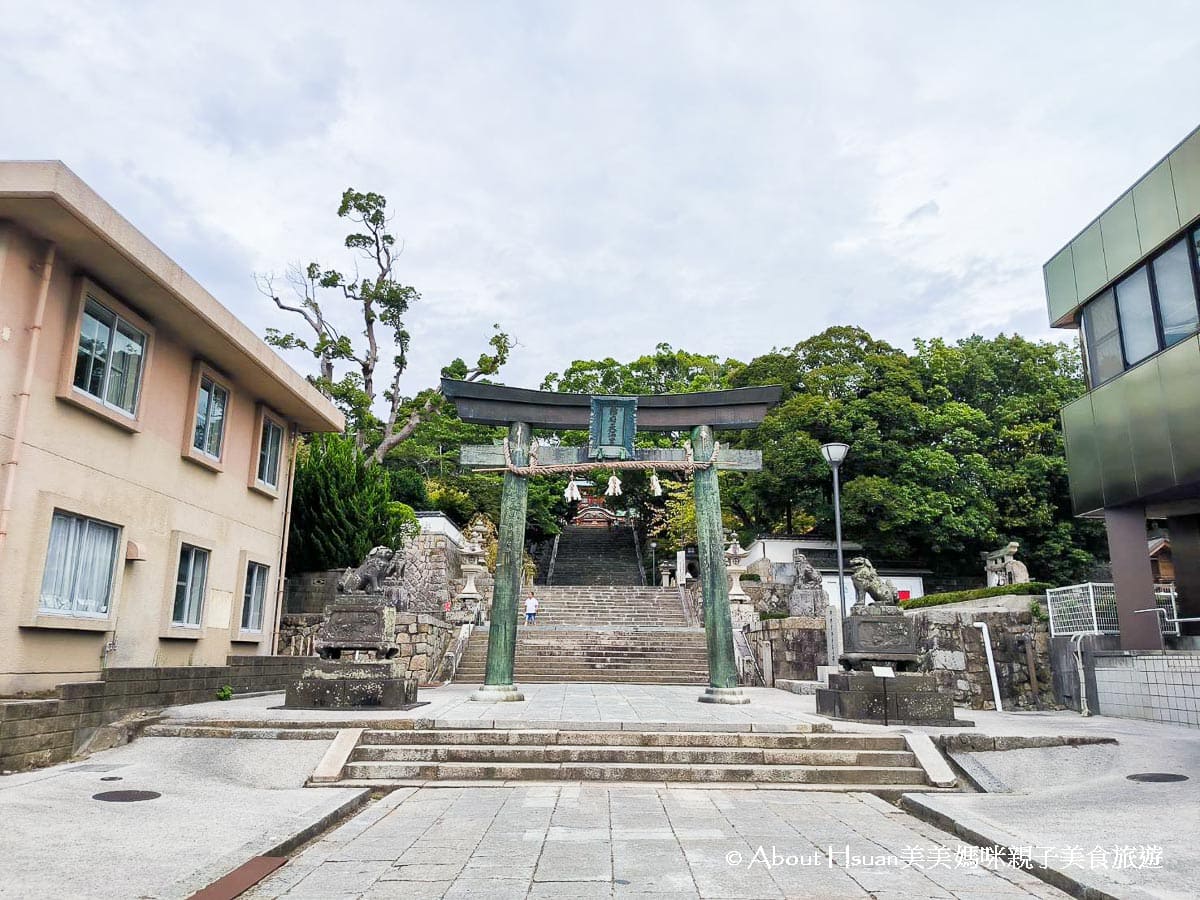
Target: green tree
(342, 506)
(381, 301)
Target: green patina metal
(714, 579)
(613, 422)
(613, 427)
(502, 640)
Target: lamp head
(834, 453)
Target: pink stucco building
(146, 440)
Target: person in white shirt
(531, 608)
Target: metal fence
(1092, 609)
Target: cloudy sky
(602, 176)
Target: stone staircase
(383, 754)
(596, 556)
(600, 634)
(616, 606)
(661, 656)
(878, 763)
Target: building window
(189, 586)
(80, 561)
(1176, 293)
(211, 403)
(269, 447)
(109, 359)
(1139, 334)
(1154, 308)
(255, 596)
(1103, 338)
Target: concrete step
(584, 771)
(769, 740)
(562, 753)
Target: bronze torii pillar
(522, 410)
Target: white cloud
(599, 177)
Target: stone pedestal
(497, 693)
(349, 684)
(911, 700)
(880, 636)
(743, 614)
(732, 696)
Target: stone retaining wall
(423, 641)
(297, 632)
(955, 655)
(37, 733)
(797, 646)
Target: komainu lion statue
(868, 583)
(379, 564)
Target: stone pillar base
(497, 693)
(733, 696)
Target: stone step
(561, 753)
(773, 740)
(584, 771)
(646, 677)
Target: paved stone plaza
(225, 801)
(581, 842)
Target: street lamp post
(653, 568)
(834, 454)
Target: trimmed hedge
(1034, 587)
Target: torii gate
(612, 422)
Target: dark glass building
(1130, 282)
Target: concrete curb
(337, 754)
(937, 770)
(279, 842)
(983, 834)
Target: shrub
(342, 507)
(1034, 587)
(225, 692)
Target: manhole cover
(1157, 776)
(111, 778)
(125, 796)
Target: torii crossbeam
(612, 422)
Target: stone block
(334, 684)
(948, 659)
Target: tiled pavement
(578, 842)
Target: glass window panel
(256, 593)
(61, 556)
(95, 338)
(79, 566)
(1176, 294)
(1138, 331)
(93, 581)
(216, 421)
(268, 453)
(1103, 339)
(199, 439)
(189, 585)
(126, 367)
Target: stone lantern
(472, 566)
(734, 556)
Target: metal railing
(1091, 608)
(454, 655)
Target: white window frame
(73, 611)
(89, 299)
(187, 584)
(270, 423)
(257, 577)
(214, 387)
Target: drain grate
(1156, 776)
(125, 796)
(111, 778)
